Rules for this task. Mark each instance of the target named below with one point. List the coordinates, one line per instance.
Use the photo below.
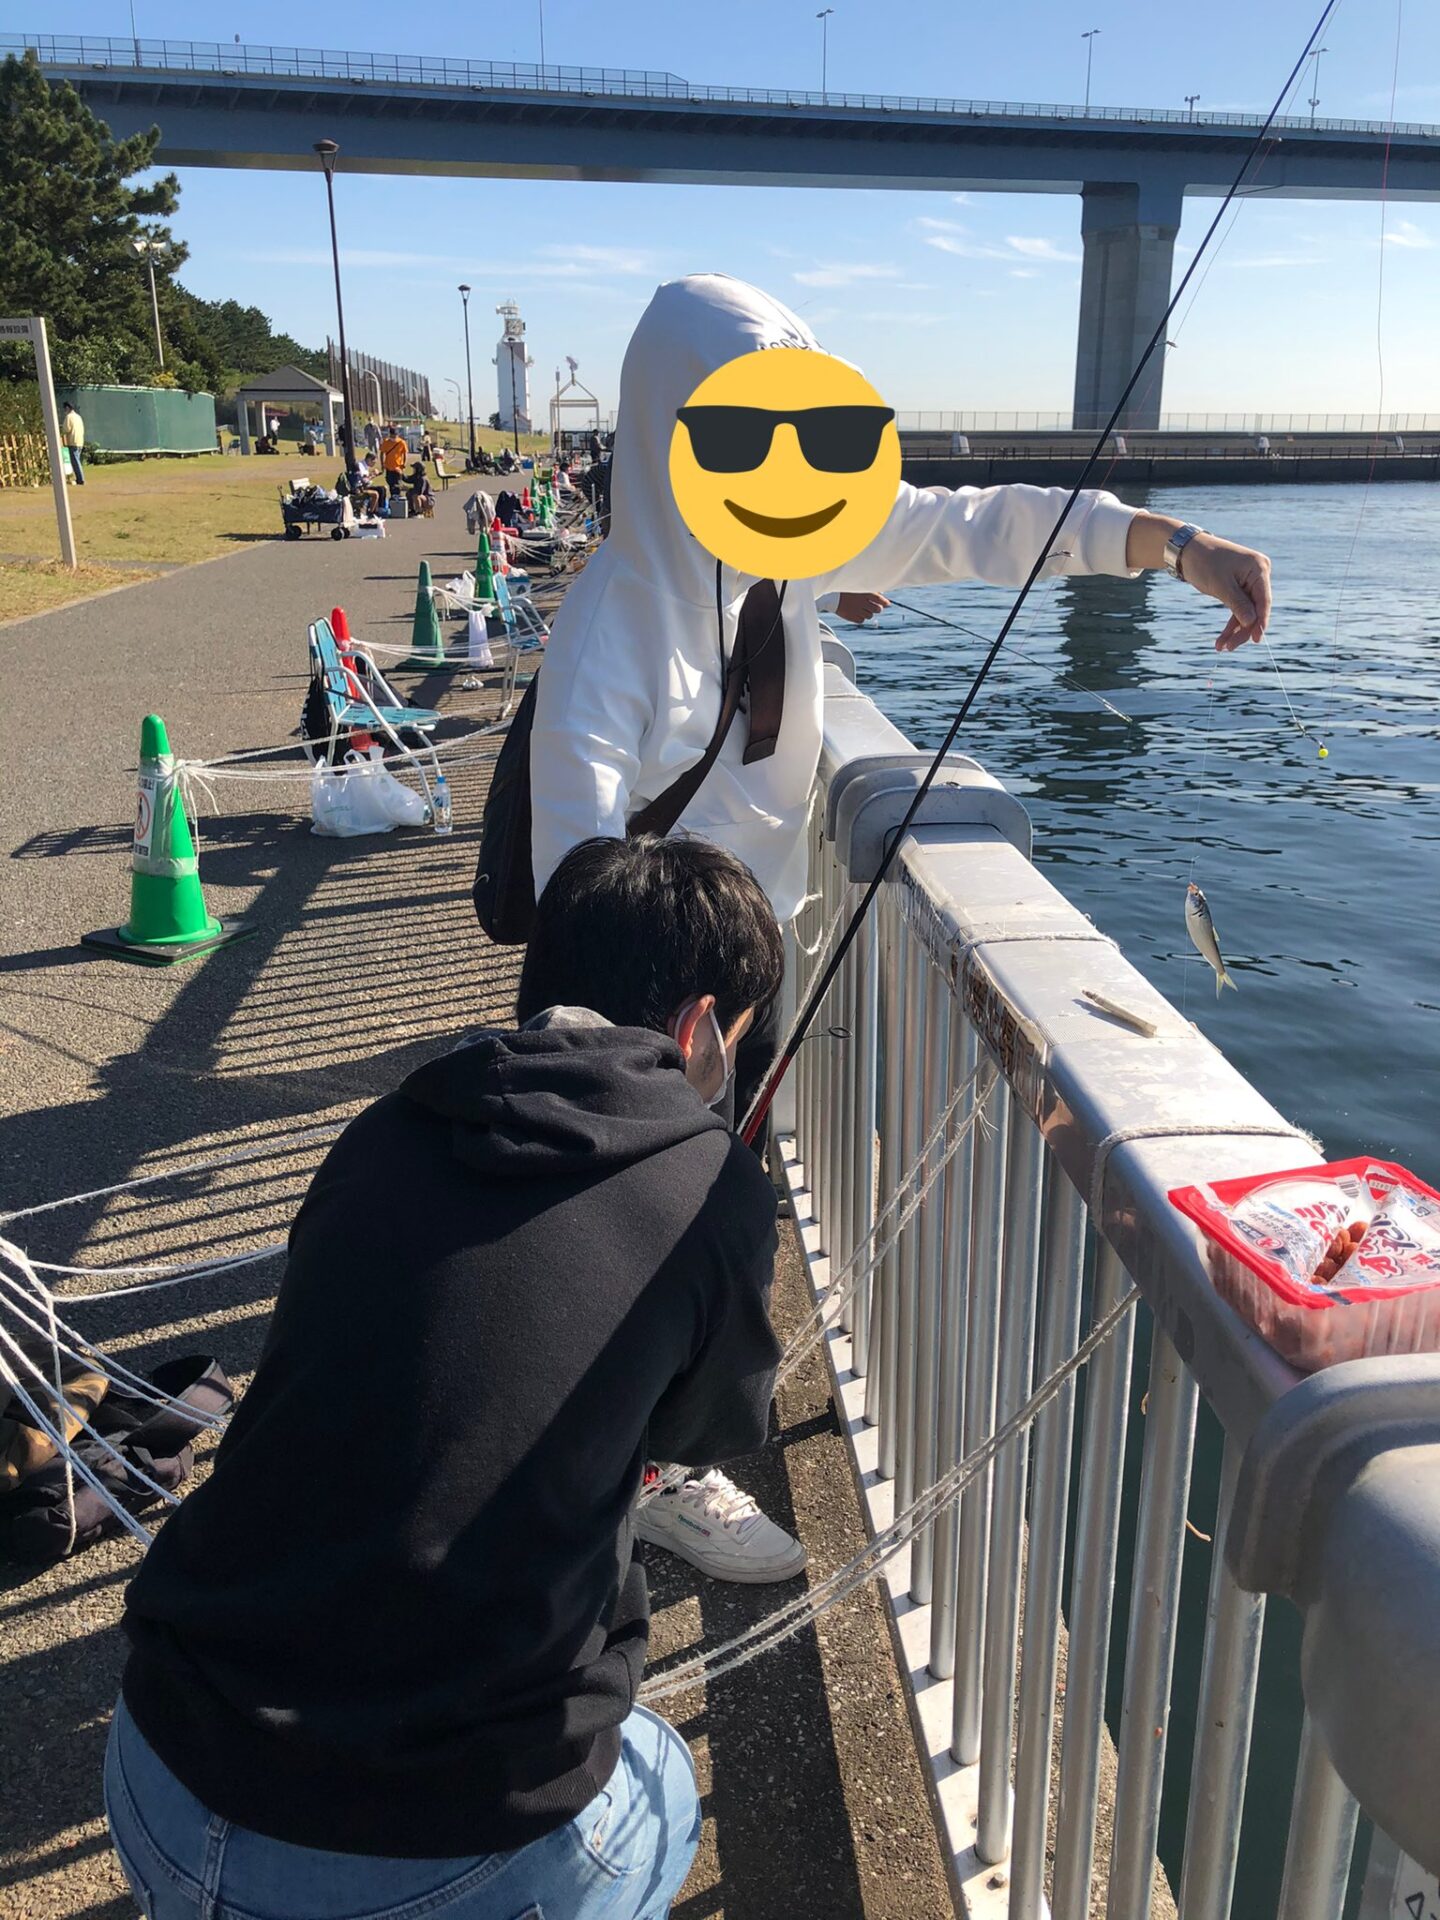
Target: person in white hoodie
(631, 688)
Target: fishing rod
(755, 1119)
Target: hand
(1238, 577)
(857, 608)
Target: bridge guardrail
(1038, 1225)
(208, 56)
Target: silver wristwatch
(1175, 546)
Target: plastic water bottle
(441, 809)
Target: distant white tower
(513, 369)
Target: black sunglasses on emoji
(832, 439)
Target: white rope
(235, 1157)
(789, 1620)
(851, 1276)
(74, 1345)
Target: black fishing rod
(755, 1119)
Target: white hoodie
(630, 691)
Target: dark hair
(631, 928)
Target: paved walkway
(366, 959)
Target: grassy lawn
(167, 510)
(32, 586)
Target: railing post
(862, 1167)
(987, 1239)
(930, 1257)
(1322, 1837)
(1150, 1644)
(1097, 1525)
(1045, 1559)
(1234, 1625)
(912, 1106)
(957, 1189)
(884, 1378)
(1019, 1282)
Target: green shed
(144, 419)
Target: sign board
(31, 327)
(145, 814)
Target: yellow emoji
(785, 463)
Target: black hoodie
(403, 1616)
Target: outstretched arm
(1238, 577)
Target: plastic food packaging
(1326, 1263)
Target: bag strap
(759, 617)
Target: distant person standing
(372, 438)
(394, 458)
(72, 435)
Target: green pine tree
(68, 214)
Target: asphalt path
(364, 960)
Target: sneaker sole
(754, 1576)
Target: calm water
(1323, 876)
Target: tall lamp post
(824, 19)
(1089, 39)
(542, 42)
(146, 249)
(1190, 100)
(328, 150)
(469, 382)
(1315, 82)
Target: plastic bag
(479, 641)
(362, 797)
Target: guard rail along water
(438, 70)
(1044, 1218)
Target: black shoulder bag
(504, 890)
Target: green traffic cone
(425, 638)
(168, 918)
(484, 570)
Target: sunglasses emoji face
(785, 463)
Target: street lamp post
(459, 397)
(1190, 100)
(541, 4)
(1089, 39)
(469, 381)
(824, 19)
(1315, 82)
(146, 249)
(328, 151)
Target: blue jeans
(77, 466)
(624, 1858)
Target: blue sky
(945, 301)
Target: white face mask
(718, 1099)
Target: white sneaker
(719, 1529)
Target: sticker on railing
(1016, 1043)
(1417, 1893)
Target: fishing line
(761, 1105)
(1063, 680)
(1379, 359)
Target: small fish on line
(1201, 929)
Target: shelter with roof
(287, 387)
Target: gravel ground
(365, 958)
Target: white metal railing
(942, 420)
(1040, 1223)
(435, 70)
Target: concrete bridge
(234, 106)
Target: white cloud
(1405, 233)
(1035, 247)
(607, 259)
(844, 275)
(947, 236)
(1024, 273)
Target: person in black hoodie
(385, 1659)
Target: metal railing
(434, 70)
(1048, 1213)
(941, 420)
